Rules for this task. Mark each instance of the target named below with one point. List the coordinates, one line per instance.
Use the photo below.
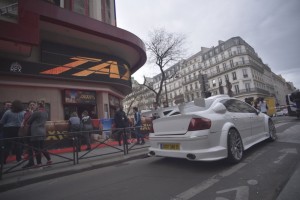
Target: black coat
(121, 119)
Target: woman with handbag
(37, 122)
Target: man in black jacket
(121, 122)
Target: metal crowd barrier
(64, 150)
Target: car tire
(235, 146)
(272, 131)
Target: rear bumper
(198, 149)
(211, 154)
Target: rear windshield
(191, 107)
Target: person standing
(25, 129)
(28, 112)
(262, 105)
(11, 122)
(137, 125)
(121, 122)
(6, 106)
(37, 123)
(87, 128)
(75, 128)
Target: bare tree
(163, 49)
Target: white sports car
(211, 129)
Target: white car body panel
(209, 144)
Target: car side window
(245, 108)
(234, 105)
(231, 105)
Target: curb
(16, 182)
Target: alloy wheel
(235, 146)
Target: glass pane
(79, 6)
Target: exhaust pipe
(151, 153)
(191, 156)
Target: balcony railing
(189, 80)
(229, 68)
(252, 90)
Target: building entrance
(69, 109)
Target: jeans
(138, 134)
(12, 144)
(121, 133)
(38, 147)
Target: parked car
(211, 129)
(283, 112)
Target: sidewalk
(63, 165)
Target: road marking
(242, 193)
(190, 193)
(290, 135)
(285, 153)
(193, 191)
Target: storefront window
(79, 101)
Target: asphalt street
(262, 174)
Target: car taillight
(199, 124)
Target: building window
(226, 77)
(234, 76)
(220, 81)
(216, 58)
(186, 88)
(81, 6)
(236, 41)
(224, 66)
(229, 52)
(231, 63)
(237, 89)
(245, 73)
(247, 86)
(222, 47)
(214, 83)
(218, 69)
(223, 56)
(243, 60)
(239, 50)
(210, 61)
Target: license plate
(170, 146)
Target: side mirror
(219, 108)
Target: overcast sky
(271, 27)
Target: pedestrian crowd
(123, 126)
(23, 132)
(16, 123)
(259, 103)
